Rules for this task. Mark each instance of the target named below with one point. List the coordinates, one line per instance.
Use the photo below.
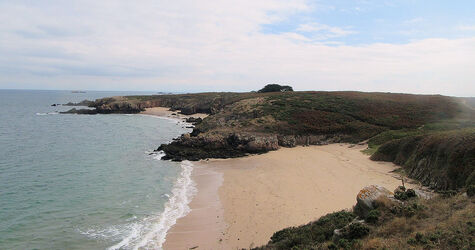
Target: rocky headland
(431, 136)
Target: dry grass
(441, 223)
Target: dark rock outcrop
(197, 146)
(85, 103)
(193, 120)
(232, 145)
(81, 111)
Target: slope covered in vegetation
(440, 160)
(263, 122)
(410, 130)
(431, 136)
(439, 223)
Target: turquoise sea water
(85, 181)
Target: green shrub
(373, 216)
(344, 243)
(275, 88)
(471, 190)
(400, 195)
(315, 232)
(412, 241)
(357, 231)
(410, 193)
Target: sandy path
(264, 193)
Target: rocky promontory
(402, 128)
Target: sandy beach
(261, 194)
(241, 202)
(166, 112)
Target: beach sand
(165, 112)
(261, 194)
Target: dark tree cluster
(275, 88)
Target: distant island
(432, 138)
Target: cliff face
(444, 160)
(230, 145)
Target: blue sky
(413, 46)
(382, 21)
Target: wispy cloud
(212, 45)
(323, 31)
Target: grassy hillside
(431, 136)
(410, 130)
(261, 122)
(440, 223)
(441, 160)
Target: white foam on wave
(151, 233)
(158, 155)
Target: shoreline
(166, 112)
(241, 202)
(262, 194)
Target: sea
(72, 181)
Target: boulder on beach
(366, 198)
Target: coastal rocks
(86, 103)
(80, 111)
(366, 198)
(105, 106)
(120, 107)
(217, 145)
(287, 141)
(193, 120)
(306, 140)
(202, 145)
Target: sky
(409, 46)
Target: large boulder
(365, 200)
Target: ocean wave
(158, 155)
(151, 232)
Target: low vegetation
(257, 122)
(440, 160)
(275, 88)
(431, 136)
(443, 222)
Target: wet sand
(261, 194)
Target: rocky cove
(430, 136)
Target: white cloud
(210, 45)
(326, 30)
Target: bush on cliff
(307, 235)
(275, 88)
